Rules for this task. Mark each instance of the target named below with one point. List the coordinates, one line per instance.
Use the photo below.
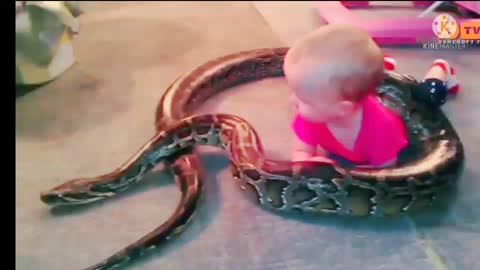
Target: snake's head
(71, 193)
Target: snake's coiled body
(280, 185)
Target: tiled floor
(97, 114)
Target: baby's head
(331, 70)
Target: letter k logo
(443, 26)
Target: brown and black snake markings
(279, 185)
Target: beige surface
(95, 116)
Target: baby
(333, 73)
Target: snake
(432, 162)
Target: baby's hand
(298, 167)
(300, 158)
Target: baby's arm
(302, 151)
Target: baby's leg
(436, 72)
(437, 83)
(442, 70)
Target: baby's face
(321, 106)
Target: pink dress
(382, 135)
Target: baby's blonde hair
(339, 57)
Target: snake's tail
(187, 175)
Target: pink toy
(471, 5)
(399, 31)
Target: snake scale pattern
(310, 187)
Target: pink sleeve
(388, 142)
(304, 130)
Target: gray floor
(98, 113)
